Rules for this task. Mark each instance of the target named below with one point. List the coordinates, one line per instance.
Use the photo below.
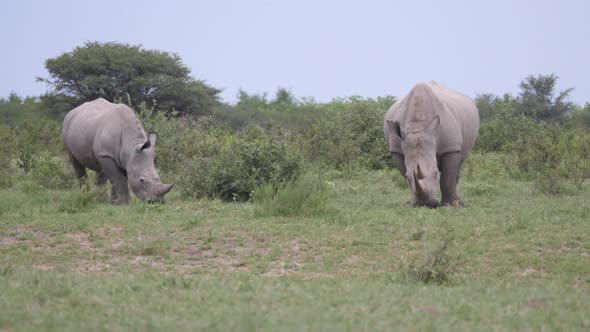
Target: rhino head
(418, 144)
(141, 172)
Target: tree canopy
(538, 99)
(128, 73)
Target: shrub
(305, 197)
(230, 166)
(436, 267)
(51, 172)
(350, 136)
(35, 136)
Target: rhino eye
(142, 179)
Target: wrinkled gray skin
(430, 132)
(109, 139)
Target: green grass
(518, 260)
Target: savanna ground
(516, 259)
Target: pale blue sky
(322, 49)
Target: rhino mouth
(155, 200)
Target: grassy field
(514, 260)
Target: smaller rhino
(108, 138)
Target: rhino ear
(144, 146)
(435, 123)
(153, 137)
(395, 128)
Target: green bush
(303, 197)
(51, 172)
(350, 137)
(230, 166)
(35, 136)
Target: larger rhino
(430, 132)
(109, 139)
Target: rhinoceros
(109, 139)
(430, 132)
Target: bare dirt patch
(82, 239)
(430, 309)
(43, 267)
(7, 241)
(535, 303)
(532, 271)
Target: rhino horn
(419, 173)
(165, 189)
(419, 191)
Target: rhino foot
(457, 203)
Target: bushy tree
(128, 73)
(538, 99)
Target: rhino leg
(80, 171)
(450, 167)
(400, 162)
(101, 180)
(118, 179)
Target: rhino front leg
(120, 187)
(400, 162)
(450, 167)
(101, 180)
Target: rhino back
(459, 120)
(100, 128)
(462, 110)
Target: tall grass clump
(306, 196)
(79, 200)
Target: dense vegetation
(227, 154)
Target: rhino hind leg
(79, 170)
(450, 168)
(118, 179)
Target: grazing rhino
(430, 132)
(109, 139)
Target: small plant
(437, 267)
(306, 196)
(549, 183)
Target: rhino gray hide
(109, 139)
(430, 132)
